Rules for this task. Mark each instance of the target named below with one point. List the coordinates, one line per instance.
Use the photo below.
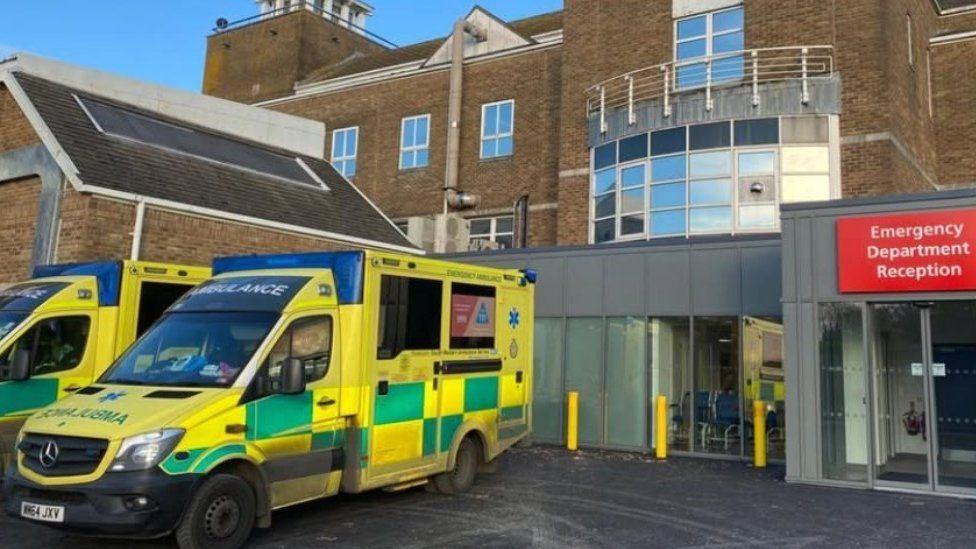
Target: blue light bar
(531, 275)
(347, 268)
(107, 273)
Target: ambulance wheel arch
(476, 430)
(255, 477)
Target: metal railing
(668, 81)
(298, 5)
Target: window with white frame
(345, 142)
(704, 48)
(493, 229)
(497, 129)
(414, 142)
(713, 178)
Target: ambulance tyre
(221, 515)
(459, 479)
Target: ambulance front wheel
(459, 479)
(221, 515)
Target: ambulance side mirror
(20, 365)
(292, 377)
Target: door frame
(932, 486)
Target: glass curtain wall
(764, 379)
(843, 402)
(547, 381)
(668, 350)
(716, 398)
(626, 382)
(585, 374)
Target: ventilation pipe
(454, 198)
(137, 230)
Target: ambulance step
(405, 485)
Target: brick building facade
(891, 93)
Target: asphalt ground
(545, 497)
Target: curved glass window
(712, 178)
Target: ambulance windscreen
(28, 296)
(193, 349)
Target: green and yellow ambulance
(60, 330)
(285, 379)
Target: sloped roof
(527, 27)
(135, 167)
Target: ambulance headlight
(145, 451)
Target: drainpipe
(453, 198)
(137, 230)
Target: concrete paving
(544, 497)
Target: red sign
(915, 252)
(472, 316)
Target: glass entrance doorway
(923, 388)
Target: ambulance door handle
(72, 388)
(235, 429)
(327, 401)
(383, 387)
(518, 376)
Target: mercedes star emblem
(48, 454)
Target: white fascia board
(272, 128)
(210, 213)
(405, 70)
(551, 36)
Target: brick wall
(953, 78)
(531, 79)
(264, 60)
(15, 129)
(20, 202)
(94, 228)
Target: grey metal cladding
(656, 278)
(667, 283)
(584, 285)
(716, 281)
(128, 166)
(624, 284)
(762, 284)
(733, 103)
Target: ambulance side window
(56, 345)
(307, 339)
(472, 316)
(409, 315)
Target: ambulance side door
(62, 353)
(299, 435)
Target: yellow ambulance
(60, 330)
(284, 379)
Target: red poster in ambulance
(472, 316)
(932, 251)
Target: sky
(164, 41)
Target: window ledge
(493, 159)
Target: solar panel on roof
(124, 123)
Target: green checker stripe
(279, 415)
(403, 402)
(430, 435)
(480, 393)
(175, 466)
(30, 394)
(511, 413)
(328, 439)
(207, 461)
(449, 426)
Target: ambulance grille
(74, 455)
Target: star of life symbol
(513, 318)
(112, 397)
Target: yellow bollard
(759, 433)
(661, 427)
(572, 421)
